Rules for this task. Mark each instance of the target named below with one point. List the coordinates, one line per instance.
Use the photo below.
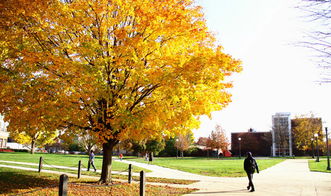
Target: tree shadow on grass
(13, 181)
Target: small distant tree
(155, 146)
(183, 142)
(218, 140)
(138, 146)
(202, 141)
(124, 145)
(35, 138)
(88, 141)
(169, 148)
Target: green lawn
(17, 182)
(68, 160)
(318, 166)
(55, 159)
(210, 167)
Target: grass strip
(318, 166)
(210, 167)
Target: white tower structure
(281, 134)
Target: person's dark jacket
(250, 164)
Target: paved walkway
(158, 171)
(57, 167)
(289, 178)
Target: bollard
(142, 183)
(63, 186)
(79, 168)
(40, 164)
(130, 174)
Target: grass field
(210, 167)
(16, 182)
(68, 160)
(204, 166)
(57, 159)
(318, 166)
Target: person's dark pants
(250, 179)
(88, 166)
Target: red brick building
(259, 143)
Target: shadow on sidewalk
(214, 192)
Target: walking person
(250, 166)
(91, 161)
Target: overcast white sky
(277, 76)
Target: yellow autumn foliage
(120, 68)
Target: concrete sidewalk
(60, 167)
(158, 171)
(289, 178)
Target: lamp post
(317, 148)
(239, 139)
(312, 148)
(327, 148)
(118, 148)
(176, 148)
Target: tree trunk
(107, 161)
(33, 146)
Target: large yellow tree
(119, 68)
(304, 128)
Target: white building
(281, 134)
(3, 133)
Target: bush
(75, 147)
(6, 150)
(195, 152)
(20, 150)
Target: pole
(176, 145)
(312, 148)
(142, 183)
(130, 174)
(40, 164)
(63, 185)
(79, 168)
(239, 148)
(328, 149)
(317, 147)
